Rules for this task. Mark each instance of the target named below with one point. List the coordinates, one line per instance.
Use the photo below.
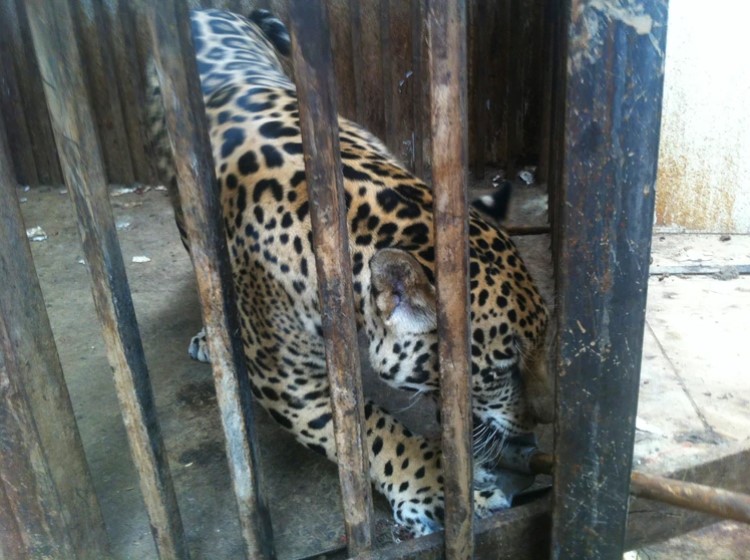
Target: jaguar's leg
(290, 382)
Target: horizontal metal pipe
(688, 495)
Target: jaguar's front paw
(198, 349)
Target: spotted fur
(253, 118)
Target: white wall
(704, 161)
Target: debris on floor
(36, 233)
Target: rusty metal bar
(47, 499)
(80, 156)
(615, 62)
(697, 497)
(688, 495)
(313, 67)
(446, 23)
(169, 25)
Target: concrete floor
(694, 390)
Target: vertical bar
(173, 49)
(446, 23)
(80, 156)
(615, 66)
(47, 499)
(313, 67)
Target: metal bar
(615, 60)
(650, 521)
(80, 156)
(696, 497)
(699, 269)
(44, 478)
(446, 21)
(173, 49)
(313, 67)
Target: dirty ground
(695, 391)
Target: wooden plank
(558, 23)
(548, 58)
(11, 102)
(94, 43)
(479, 95)
(368, 64)
(446, 24)
(612, 115)
(325, 183)
(495, 66)
(399, 85)
(532, 76)
(421, 89)
(44, 477)
(513, 87)
(199, 194)
(75, 134)
(121, 28)
(35, 107)
(339, 22)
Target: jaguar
(253, 116)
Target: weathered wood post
(313, 67)
(172, 44)
(47, 502)
(83, 170)
(446, 24)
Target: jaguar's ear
(402, 292)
